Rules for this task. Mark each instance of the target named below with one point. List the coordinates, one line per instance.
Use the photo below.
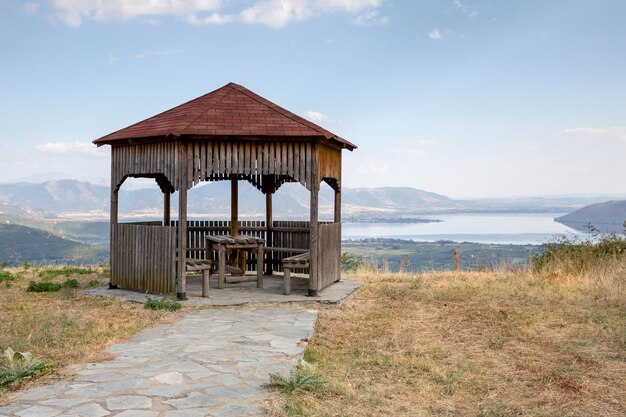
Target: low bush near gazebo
(19, 366)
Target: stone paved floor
(211, 363)
(244, 293)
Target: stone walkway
(211, 363)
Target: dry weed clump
(65, 327)
(478, 344)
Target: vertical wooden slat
(240, 158)
(284, 158)
(202, 159)
(302, 174)
(247, 168)
(313, 236)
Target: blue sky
(465, 98)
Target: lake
(513, 228)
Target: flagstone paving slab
(212, 363)
(243, 294)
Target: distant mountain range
(605, 217)
(82, 200)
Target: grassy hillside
(21, 243)
(91, 233)
(547, 342)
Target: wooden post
(259, 265)
(338, 220)
(236, 259)
(221, 267)
(287, 289)
(313, 243)
(234, 205)
(166, 208)
(206, 275)
(269, 190)
(181, 287)
(337, 205)
(113, 241)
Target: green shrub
(71, 283)
(303, 378)
(26, 265)
(6, 276)
(579, 255)
(94, 283)
(49, 274)
(43, 287)
(20, 366)
(350, 262)
(4, 264)
(106, 271)
(163, 304)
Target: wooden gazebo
(229, 134)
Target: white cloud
(461, 7)
(212, 19)
(73, 12)
(611, 132)
(435, 34)
(60, 148)
(113, 59)
(147, 54)
(31, 8)
(316, 116)
(273, 13)
(371, 18)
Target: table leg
(243, 255)
(206, 274)
(287, 270)
(222, 267)
(259, 266)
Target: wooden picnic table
(225, 245)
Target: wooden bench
(300, 261)
(201, 265)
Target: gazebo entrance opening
(230, 135)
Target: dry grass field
(65, 327)
(470, 344)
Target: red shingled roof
(230, 111)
